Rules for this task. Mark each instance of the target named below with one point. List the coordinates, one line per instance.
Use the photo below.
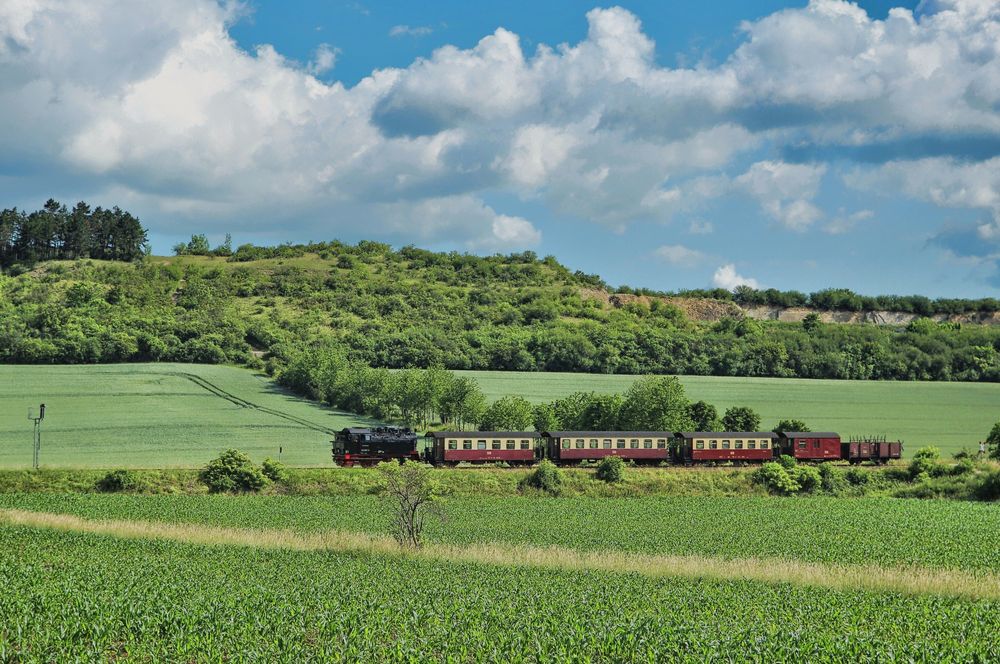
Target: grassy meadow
(949, 415)
(158, 416)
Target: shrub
(856, 476)
(990, 487)
(611, 469)
(925, 462)
(274, 470)
(807, 477)
(787, 462)
(546, 477)
(232, 471)
(775, 478)
(118, 480)
(831, 479)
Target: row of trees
(56, 232)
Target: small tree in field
(993, 441)
(741, 418)
(413, 492)
(611, 469)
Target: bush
(546, 477)
(232, 471)
(807, 477)
(925, 462)
(274, 470)
(990, 487)
(611, 469)
(775, 478)
(856, 476)
(788, 462)
(118, 480)
(831, 479)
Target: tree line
(56, 232)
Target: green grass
(889, 532)
(158, 415)
(949, 415)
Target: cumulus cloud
(676, 254)
(158, 105)
(727, 277)
(785, 191)
(845, 222)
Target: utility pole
(37, 439)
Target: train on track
(366, 447)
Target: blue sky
(672, 145)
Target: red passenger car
(639, 446)
(811, 445)
(719, 446)
(483, 446)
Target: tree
(704, 416)
(603, 413)
(545, 418)
(811, 321)
(611, 469)
(656, 403)
(413, 492)
(740, 418)
(790, 425)
(232, 471)
(510, 413)
(993, 441)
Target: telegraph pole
(37, 438)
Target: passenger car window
(452, 444)
(511, 444)
(480, 444)
(713, 444)
(525, 444)
(634, 443)
(700, 445)
(751, 445)
(661, 443)
(593, 443)
(621, 444)
(647, 444)
(496, 444)
(764, 444)
(725, 444)
(565, 444)
(607, 443)
(466, 444)
(579, 443)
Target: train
(369, 446)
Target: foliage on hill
(414, 308)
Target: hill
(260, 306)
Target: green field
(939, 534)
(158, 416)
(169, 596)
(949, 415)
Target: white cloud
(158, 104)
(410, 31)
(727, 277)
(785, 191)
(324, 59)
(677, 254)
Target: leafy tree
(510, 413)
(545, 477)
(811, 322)
(656, 403)
(789, 425)
(740, 418)
(413, 491)
(993, 441)
(704, 416)
(546, 418)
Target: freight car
(367, 447)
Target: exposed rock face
(707, 310)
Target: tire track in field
(243, 403)
(910, 580)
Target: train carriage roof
(482, 434)
(809, 434)
(607, 434)
(727, 434)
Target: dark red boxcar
(484, 446)
(811, 445)
(873, 449)
(639, 446)
(719, 446)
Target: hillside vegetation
(414, 308)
